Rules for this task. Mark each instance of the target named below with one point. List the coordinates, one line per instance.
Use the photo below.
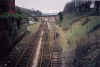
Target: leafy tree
(60, 16)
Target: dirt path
(37, 54)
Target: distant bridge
(47, 17)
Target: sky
(46, 6)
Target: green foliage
(16, 15)
(19, 16)
(76, 32)
(60, 16)
(93, 23)
(79, 30)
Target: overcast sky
(47, 6)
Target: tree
(60, 16)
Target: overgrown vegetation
(27, 12)
(78, 30)
(83, 38)
(33, 26)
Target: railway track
(45, 59)
(21, 55)
(49, 55)
(56, 50)
(17, 58)
(56, 58)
